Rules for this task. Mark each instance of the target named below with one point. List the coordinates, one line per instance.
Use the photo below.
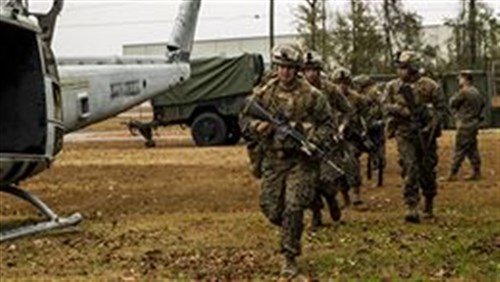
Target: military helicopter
(41, 99)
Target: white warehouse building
(433, 35)
(215, 47)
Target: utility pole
(387, 31)
(314, 9)
(355, 23)
(323, 18)
(271, 27)
(472, 30)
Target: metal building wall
(216, 47)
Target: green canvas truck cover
(213, 78)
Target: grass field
(177, 211)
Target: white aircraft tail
(94, 90)
(182, 36)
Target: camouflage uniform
(467, 106)
(356, 129)
(375, 117)
(253, 145)
(341, 112)
(416, 126)
(368, 89)
(288, 175)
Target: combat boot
(451, 177)
(428, 208)
(317, 221)
(412, 215)
(335, 212)
(476, 175)
(347, 198)
(357, 199)
(289, 269)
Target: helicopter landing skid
(53, 222)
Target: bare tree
(475, 36)
(311, 18)
(356, 39)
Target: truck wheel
(208, 129)
(233, 131)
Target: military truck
(208, 102)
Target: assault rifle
(285, 129)
(418, 115)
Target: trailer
(209, 102)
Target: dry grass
(183, 212)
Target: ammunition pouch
(256, 156)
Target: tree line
(367, 34)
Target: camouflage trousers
(287, 190)
(418, 165)
(330, 183)
(466, 147)
(355, 179)
(325, 191)
(378, 157)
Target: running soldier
(356, 131)
(341, 112)
(367, 87)
(415, 106)
(288, 176)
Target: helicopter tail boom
(182, 36)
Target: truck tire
(233, 131)
(209, 129)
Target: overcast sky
(91, 27)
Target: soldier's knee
(297, 206)
(272, 210)
(274, 216)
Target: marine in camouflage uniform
(467, 106)
(415, 119)
(288, 175)
(341, 111)
(367, 87)
(356, 130)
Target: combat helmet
(409, 59)
(341, 75)
(313, 60)
(287, 55)
(467, 74)
(362, 81)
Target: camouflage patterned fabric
(341, 155)
(354, 133)
(467, 106)
(416, 128)
(288, 176)
(374, 116)
(357, 119)
(374, 102)
(342, 110)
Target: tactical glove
(264, 128)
